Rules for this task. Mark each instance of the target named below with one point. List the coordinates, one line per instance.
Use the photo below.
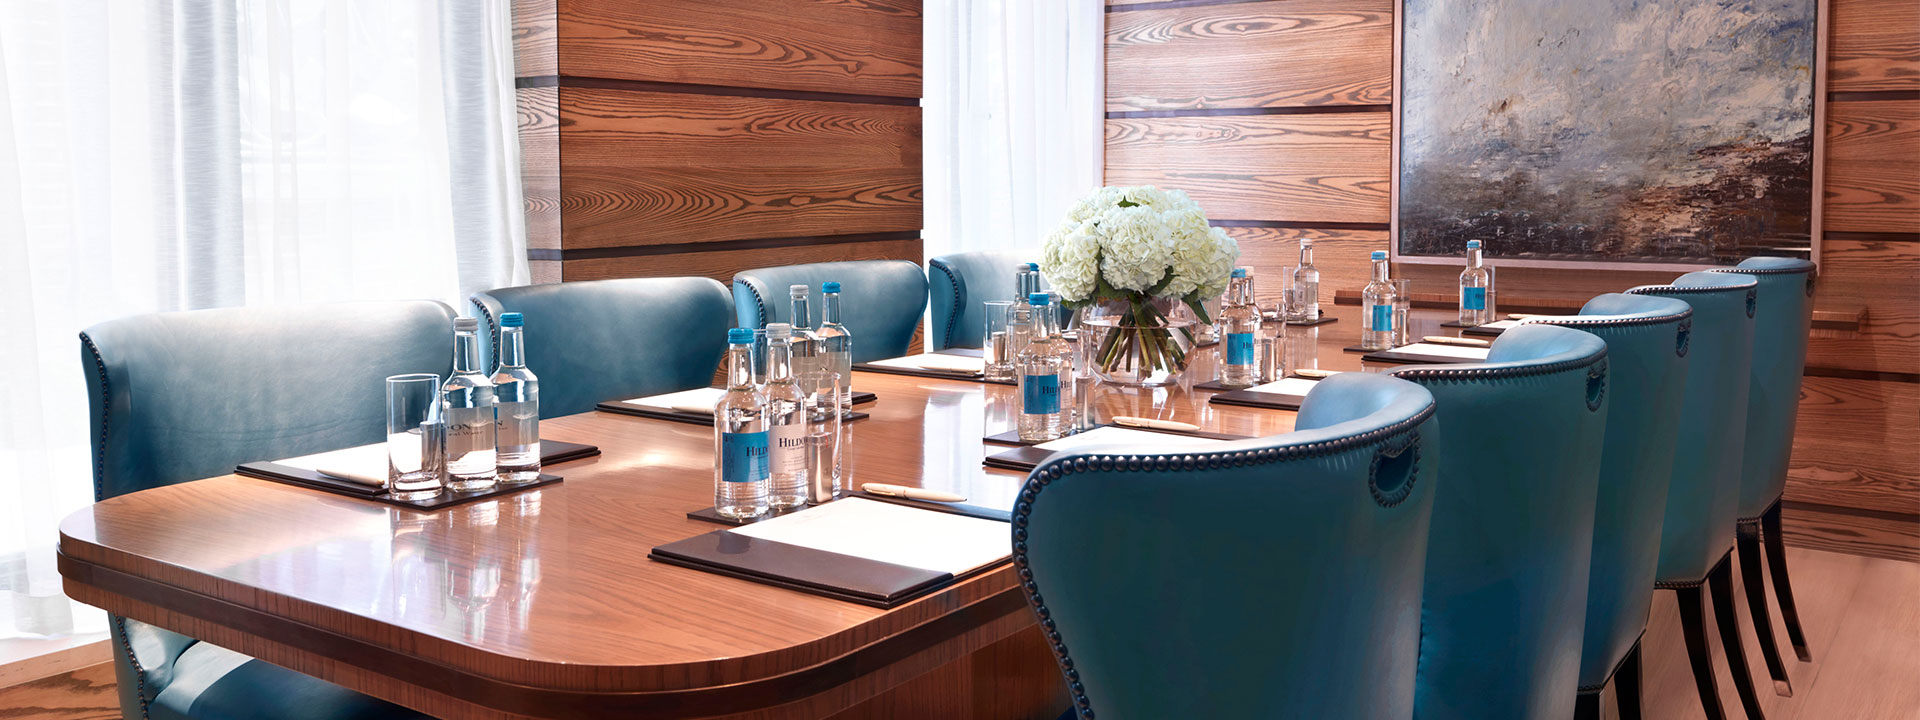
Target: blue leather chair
(1646, 371)
(1276, 577)
(615, 339)
(174, 397)
(1783, 320)
(958, 284)
(880, 301)
(1696, 535)
(1519, 444)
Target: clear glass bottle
(468, 395)
(786, 423)
(741, 463)
(806, 344)
(1026, 281)
(1306, 285)
(517, 410)
(1475, 281)
(1045, 371)
(836, 345)
(1240, 324)
(1376, 311)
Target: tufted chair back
(1506, 587)
(1646, 372)
(1163, 599)
(613, 339)
(1697, 530)
(958, 284)
(1783, 320)
(880, 300)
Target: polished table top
(546, 596)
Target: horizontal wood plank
(1530, 286)
(1851, 534)
(1873, 166)
(1884, 278)
(1341, 256)
(1249, 55)
(534, 38)
(721, 265)
(648, 168)
(1853, 445)
(865, 47)
(1307, 168)
(1875, 46)
(539, 119)
(84, 694)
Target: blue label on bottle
(1473, 298)
(743, 456)
(1239, 348)
(1040, 394)
(1382, 318)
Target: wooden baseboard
(1867, 534)
(29, 660)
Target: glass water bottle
(786, 423)
(1240, 323)
(1376, 312)
(836, 345)
(1475, 281)
(741, 463)
(468, 395)
(1045, 371)
(806, 344)
(517, 411)
(1306, 283)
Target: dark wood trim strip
(1172, 4)
(1216, 112)
(1301, 225)
(1870, 95)
(1893, 237)
(1849, 374)
(570, 81)
(1888, 515)
(602, 253)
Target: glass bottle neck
(779, 360)
(1306, 254)
(513, 350)
(1042, 321)
(739, 367)
(1473, 257)
(1380, 270)
(466, 352)
(830, 309)
(801, 317)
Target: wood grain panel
(1852, 534)
(1532, 287)
(1875, 45)
(865, 47)
(648, 168)
(1340, 255)
(721, 265)
(1873, 166)
(1264, 54)
(1308, 168)
(1884, 278)
(538, 110)
(535, 46)
(84, 694)
(1853, 445)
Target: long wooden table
(543, 604)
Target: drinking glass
(1493, 291)
(1289, 305)
(996, 345)
(416, 437)
(1402, 306)
(826, 461)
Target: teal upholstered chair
(1783, 320)
(1696, 534)
(1519, 445)
(614, 339)
(880, 300)
(1277, 577)
(958, 284)
(1646, 372)
(174, 397)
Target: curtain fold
(184, 154)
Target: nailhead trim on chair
(106, 404)
(959, 298)
(758, 304)
(493, 330)
(139, 673)
(1476, 372)
(1761, 271)
(1609, 320)
(1615, 670)
(1596, 373)
(1389, 499)
(1056, 469)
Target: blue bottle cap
(829, 287)
(1239, 272)
(1033, 266)
(1037, 299)
(740, 336)
(1473, 244)
(1379, 254)
(511, 320)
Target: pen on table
(1315, 373)
(1141, 422)
(912, 493)
(1463, 342)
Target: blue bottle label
(743, 456)
(1040, 394)
(1382, 318)
(1239, 348)
(1473, 298)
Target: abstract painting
(1625, 131)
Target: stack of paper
(936, 361)
(696, 400)
(1141, 441)
(890, 533)
(366, 465)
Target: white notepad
(890, 533)
(1286, 386)
(1501, 325)
(936, 361)
(1109, 435)
(685, 399)
(1450, 351)
(366, 465)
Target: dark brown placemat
(1323, 319)
(1271, 401)
(713, 515)
(1483, 331)
(316, 481)
(1215, 386)
(843, 577)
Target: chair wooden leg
(1693, 625)
(1783, 588)
(1626, 684)
(1720, 583)
(1756, 587)
(1586, 706)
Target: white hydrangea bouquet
(1139, 259)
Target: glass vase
(1146, 342)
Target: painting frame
(1816, 232)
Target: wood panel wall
(1276, 116)
(705, 137)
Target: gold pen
(912, 493)
(1315, 373)
(1140, 422)
(1463, 342)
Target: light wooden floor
(1862, 618)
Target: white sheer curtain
(182, 154)
(1013, 118)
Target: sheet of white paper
(1109, 435)
(1501, 324)
(936, 361)
(366, 464)
(1286, 386)
(929, 539)
(1451, 351)
(703, 397)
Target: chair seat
(214, 683)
